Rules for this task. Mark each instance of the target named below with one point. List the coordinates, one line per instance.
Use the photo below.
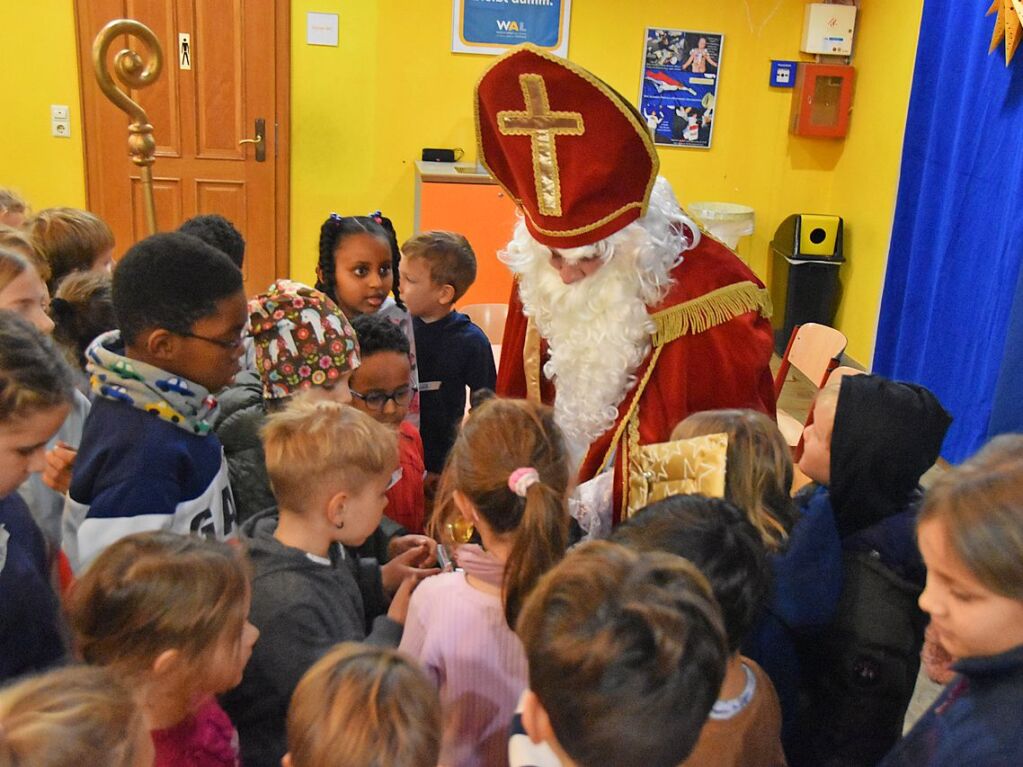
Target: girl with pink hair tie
(507, 479)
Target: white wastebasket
(727, 221)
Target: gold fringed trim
(707, 311)
(531, 362)
(632, 443)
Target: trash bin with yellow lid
(808, 249)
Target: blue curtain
(1007, 408)
(957, 237)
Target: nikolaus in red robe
(711, 350)
(637, 338)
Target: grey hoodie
(302, 609)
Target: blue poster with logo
(494, 26)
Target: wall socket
(60, 120)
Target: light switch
(60, 112)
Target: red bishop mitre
(575, 156)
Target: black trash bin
(807, 250)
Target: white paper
(321, 29)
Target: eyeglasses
(232, 345)
(377, 400)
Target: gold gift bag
(695, 465)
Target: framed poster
(494, 26)
(679, 86)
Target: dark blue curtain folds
(957, 238)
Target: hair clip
(335, 217)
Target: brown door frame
(282, 132)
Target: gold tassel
(709, 310)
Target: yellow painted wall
(362, 112)
(40, 69)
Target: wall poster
(679, 87)
(494, 26)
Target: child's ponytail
(392, 243)
(539, 545)
(510, 462)
(330, 233)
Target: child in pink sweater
(507, 476)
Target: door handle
(259, 140)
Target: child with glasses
(149, 459)
(382, 388)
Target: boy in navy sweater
(452, 353)
(148, 458)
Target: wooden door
(238, 54)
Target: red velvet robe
(715, 359)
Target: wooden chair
(813, 350)
(491, 319)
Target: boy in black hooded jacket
(870, 442)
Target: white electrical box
(828, 29)
(60, 120)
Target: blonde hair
(11, 201)
(980, 503)
(500, 436)
(16, 241)
(157, 591)
(310, 443)
(69, 717)
(69, 239)
(33, 374)
(12, 266)
(758, 477)
(363, 706)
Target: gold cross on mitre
(542, 126)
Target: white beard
(598, 329)
(598, 332)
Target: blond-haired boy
(329, 466)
